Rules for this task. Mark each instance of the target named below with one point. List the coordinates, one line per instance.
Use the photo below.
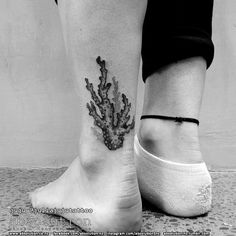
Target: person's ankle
(173, 141)
(94, 155)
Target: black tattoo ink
(112, 125)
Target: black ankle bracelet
(176, 119)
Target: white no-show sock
(177, 189)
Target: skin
(175, 90)
(113, 120)
(99, 178)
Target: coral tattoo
(111, 124)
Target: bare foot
(103, 178)
(105, 184)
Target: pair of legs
(103, 41)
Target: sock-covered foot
(170, 169)
(105, 184)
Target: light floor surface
(15, 183)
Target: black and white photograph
(118, 117)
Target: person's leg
(103, 41)
(171, 170)
(170, 167)
(174, 68)
(174, 91)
